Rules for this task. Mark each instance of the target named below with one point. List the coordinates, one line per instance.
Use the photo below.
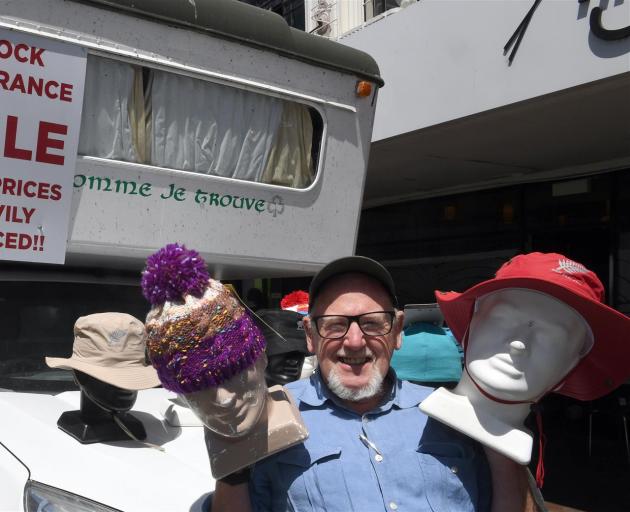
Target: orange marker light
(363, 88)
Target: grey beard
(371, 389)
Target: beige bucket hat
(110, 347)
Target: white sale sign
(41, 95)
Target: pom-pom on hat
(173, 272)
(295, 301)
(198, 334)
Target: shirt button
(378, 457)
(393, 505)
(454, 469)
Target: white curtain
(290, 162)
(135, 114)
(106, 129)
(210, 128)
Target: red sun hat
(607, 365)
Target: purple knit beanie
(198, 334)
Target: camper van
(127, 125)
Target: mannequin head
(284, 368)
(286, 345)
(522, 343)
(539, 325)
(107, 396)
(232, 408)
(104, 415)
(203, 343)
(605, 365)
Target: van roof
(251, 25)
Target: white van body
(285, 231)
(124, 475)
(122, 211)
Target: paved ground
(552, 507)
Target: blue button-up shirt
(393, 458)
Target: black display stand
(94, 424)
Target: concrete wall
(443, 59)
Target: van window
(137, 114)
(38, 321)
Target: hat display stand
(207, 348)
(99, 403)
(279, 427)
(540, 325)
(521, 344)
(497, 425)
(248, 429)
(286, 344)
(176, 413)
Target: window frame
(249, 85)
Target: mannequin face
(233, 408)
(106, 395)
(522, 343)
(284, 368)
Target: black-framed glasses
(376, 323)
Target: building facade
(503, 127)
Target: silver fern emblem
(116, 336)
(570, 267)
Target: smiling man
(370, 448)
(354, 328)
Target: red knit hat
(607, 365)
(295, 301)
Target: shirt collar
(403, 395)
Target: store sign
(602, 32)
(41, 95)
(595, 21)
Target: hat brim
(131, 377)
(604, 368)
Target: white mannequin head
(233, 408)
(522, 343)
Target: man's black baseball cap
(348, 265)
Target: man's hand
(512, 486)
(232, 494)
